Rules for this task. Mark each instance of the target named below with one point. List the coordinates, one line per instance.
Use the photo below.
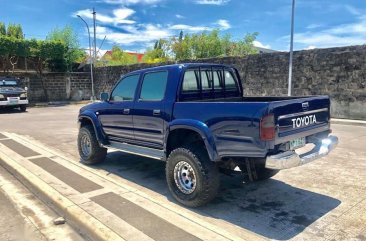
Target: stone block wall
(337, 72)
(59, 86)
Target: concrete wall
(337, 72)
(59, 86)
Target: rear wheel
(89, 150)
(192, 178)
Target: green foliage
(57, 52)
(2, 29)
(182, 47)
(159, 53)
(45, 53)
(211, 44)
(69, 38)
(244, 46)
(119, 57)
(15, 30)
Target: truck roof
(182, 66)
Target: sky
(134, 25)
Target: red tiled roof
(138, 55)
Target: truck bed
(254, 99)
(235, 121)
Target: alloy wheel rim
(85, 145)
(185, 177)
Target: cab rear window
(204, 83)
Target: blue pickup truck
(195, 118)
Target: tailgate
(301, 117)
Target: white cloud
(223, 24)
(310, 47)
(314, 26)
(143, 34)
(352, 10)
(120, 29)
(189, 28)
(130, 2)
(212, 2)
(340, 35)
(123, 13)
(119, 17)
(256, 43)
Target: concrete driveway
(323, 200)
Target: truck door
(116, 118)
(149, 116)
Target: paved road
(322, 200)
(13, 227)
(23, 217)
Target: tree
(182, 47)
(11, 46)
(69, 38)
(10, 50)
(2, 29)
(210, 44)
(119, 57)
(180, 39)
(245, 46)
(160, 52)
(207, 45)
(46, 53)
(15, 30)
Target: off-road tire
(206, 171)
(97, 153)
(23, 108)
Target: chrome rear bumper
(291, 159)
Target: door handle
(156, 112)
(126, 111)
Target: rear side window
(230, 82)
(153, 86)
(190, 82)
(205, 78)
(217, 80)
(125, 90)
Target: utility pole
(95, 46)
(91, 59)
(291, 49)
(95, 38)
(25, 59)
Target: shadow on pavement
(10, 110)
(269, 208)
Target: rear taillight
(267, 128)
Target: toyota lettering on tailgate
(303, 121)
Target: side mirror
(104, 96)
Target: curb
(348, 122)
(79, 219)
(58, 103)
